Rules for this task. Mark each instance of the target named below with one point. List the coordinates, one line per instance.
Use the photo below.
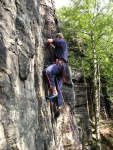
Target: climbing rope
(70, 121)
(50, 27)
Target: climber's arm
(50, 42)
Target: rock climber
(55, 71)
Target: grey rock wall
(26, 118)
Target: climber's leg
(50, 71)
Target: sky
(60, 3)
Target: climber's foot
(51, 96)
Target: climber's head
(59, 35)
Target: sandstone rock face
(26, 118)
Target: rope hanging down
(70, 121)
(50, 27)
(71, 124)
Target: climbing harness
(61, 62)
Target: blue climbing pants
(54, 74)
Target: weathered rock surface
(26, 119)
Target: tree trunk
(96, 96)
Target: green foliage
(88, 25)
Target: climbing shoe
(51, 96)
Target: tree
(88, 24)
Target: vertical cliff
(26, 118)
